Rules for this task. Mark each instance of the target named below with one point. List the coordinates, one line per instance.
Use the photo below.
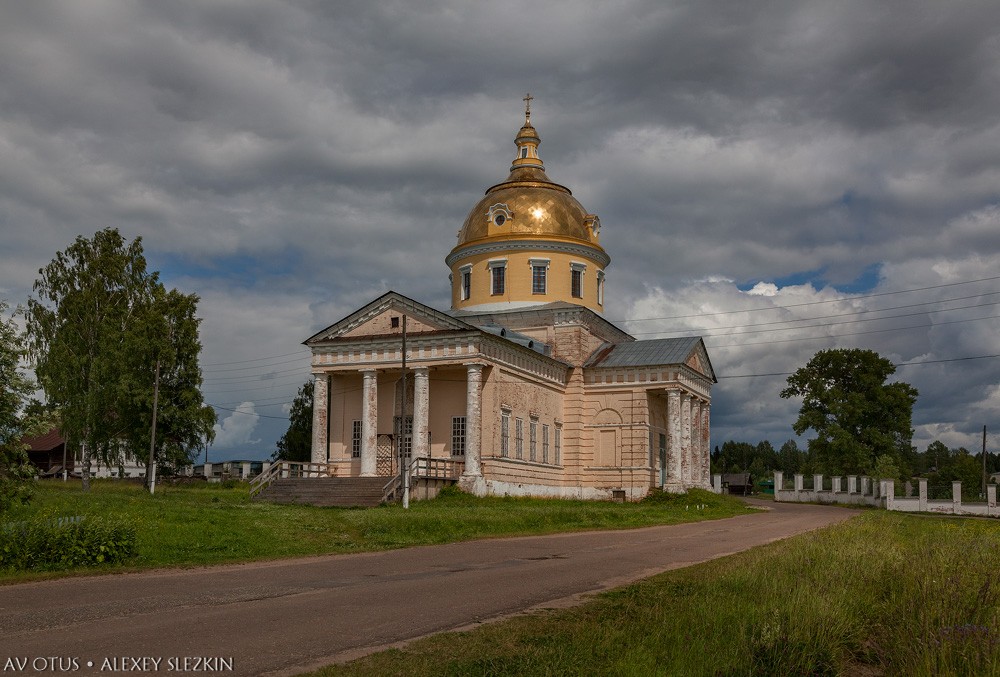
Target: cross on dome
(527, 107)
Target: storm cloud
(835, 166)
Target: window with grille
(458, 436)
(533, 439)
(519, 438)
(499, 279)
(405, 437)
(505, 434)
(545, 443)
(466, 284)
(356, 439)
(558, 447)
(538, 279)
(576, 283)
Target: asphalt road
(287, 616)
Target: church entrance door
(385, 456)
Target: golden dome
(527, 242)
(528, 203)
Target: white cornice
(598, 256)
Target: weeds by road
(882, 594)
(209, 524)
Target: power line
(256, 359)
(808, 303)
(899, 364)
(853, 333)
(252, 377)
(851, 313)
(247, 413)
(274, 364)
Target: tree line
(116, 356)
(862, 426)
(938, 463)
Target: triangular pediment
(383, 317)
(689, 351)
(698, 360)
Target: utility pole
(152, 433)
(403, 464)
(984, 461)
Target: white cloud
(747, 333)
(236, 428)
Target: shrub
(46, 543)
(451, 491)
(690, 497)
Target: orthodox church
(521, 387)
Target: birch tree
(16, 472)
(89, 310)
(168, 349)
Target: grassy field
(883, 594)
(209, 524)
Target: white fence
(861, 490)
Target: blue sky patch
(242, 269)
(866, 281)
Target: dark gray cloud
(291, 160)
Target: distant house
(738, 483)
(46, 452)
(236, 470)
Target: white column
(369, 422)
(706, 443)
(421, 407)
(694, 460)
(473, 424)
(686, 440)
(320, 444)
(674, 440)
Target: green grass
(883, 594)
(209, 524)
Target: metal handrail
(436, 468)
(425, 467)
(285, 469)
(390, 488)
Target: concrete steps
(341, 492)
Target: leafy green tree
(98, 327)
(759, 471)
(16, 473)
(886, 469)
(955, 465)
(90, 305)
(856, 415)
(168, 351)
(296, 443)
(937, 455)
(767, 455)
(790, 458)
